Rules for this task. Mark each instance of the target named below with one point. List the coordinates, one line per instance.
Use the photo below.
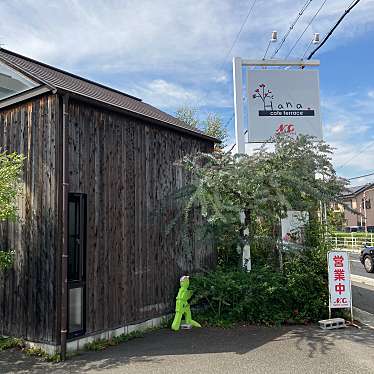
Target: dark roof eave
(364, 188)
(27, 74)
(355, 193)
(56, 69)
(25, 95)
(119, 109)
(113, 102)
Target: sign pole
(238, 104)
(350, 289)
(328, 271)
(238, 64)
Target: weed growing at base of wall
(40, 353)
(101, 344)
(8, 343)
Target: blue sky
(171, 53)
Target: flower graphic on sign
(265, 95)
(271, 107)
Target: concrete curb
(363, 280)
(364, 317)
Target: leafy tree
(264, 185)
(212, 125)
(188, 115)
(10, 176)
(335, 219)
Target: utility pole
(365, 215)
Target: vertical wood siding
(134, 252)
(28, 291)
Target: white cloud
(344, 117)
(361, 181)
(190, 37)
(183, 43)
(353, 159)
(163, 94)
(172, 52)
(337, 129)
(348, 128)
(221, 78)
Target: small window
(76, 263)
(74, 240)
(12, 82)
(76, 324)
(365, 203)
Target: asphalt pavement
(357, 268)
(363, 286)
(246, 349)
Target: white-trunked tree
(278, 177)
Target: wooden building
(99, 240)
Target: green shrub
(265, 296)
(307, 283)
(340, 234)
(7, 343)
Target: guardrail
(351, 242)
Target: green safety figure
(182, 307)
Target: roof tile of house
(62, 80)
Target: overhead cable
(357, 154)
(360, 176)
(301, 12)
(240, 31)
(306, 28)
(353, 4)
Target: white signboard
(282, 101)
(339, 280)
(292, 226)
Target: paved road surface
(362, 294)
(255, 350)
(357, 268)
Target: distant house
(98, 244)
(360, 213)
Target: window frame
(80, 199)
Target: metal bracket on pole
(280, 62)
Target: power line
(266, 51)
(301, 12)
(232, 147)
(230, 119)
(306, 50)
(239, 33)
(360, 176)
(353, 4)
(306, 28)
(237, 37)
(355, 155)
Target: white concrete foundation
(79, 343)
